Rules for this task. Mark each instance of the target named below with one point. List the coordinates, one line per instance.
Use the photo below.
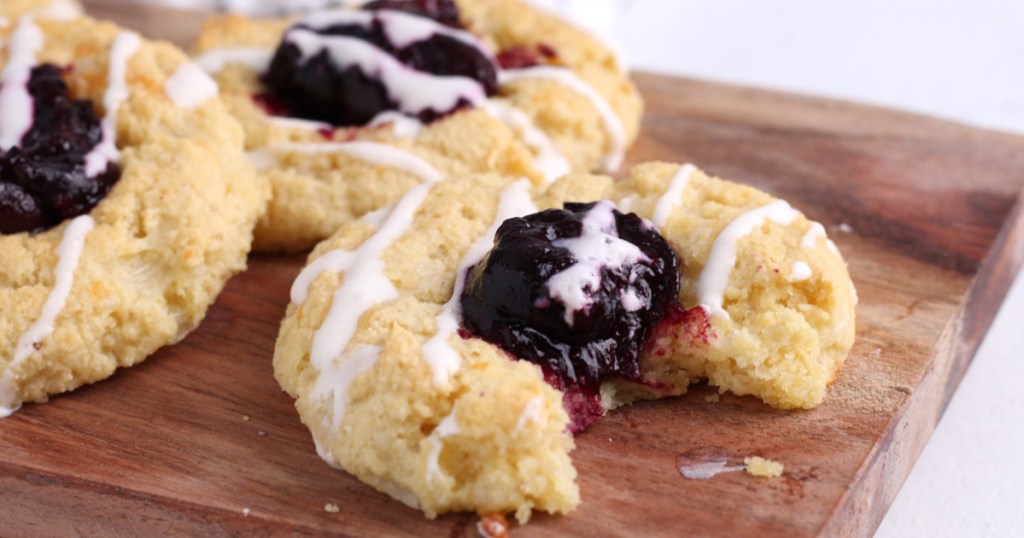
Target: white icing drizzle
(709, 469)
(365, 286)
(335, 381)
(190, 86)
(371, 152)
(413, 91)
(16, 104)
(443, 360)
(335, 261)
(447, 428)
(298, 123)
(60, 10)
(613, 124)
(125, 45)
(401, 29)
(548, 159)
(672, 197)
(598, 247)
(800, 272)
(531, 413)
(810, 240)
(402, 125)
(215, 61)
(68, 253)
(715, 276)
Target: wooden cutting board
(199, 440)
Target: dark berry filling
(514, 300)
(522, 56)
(43, 181)
(318, 88)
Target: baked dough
(473, 430)
(57, 9)
(316, 190)
(160, 245)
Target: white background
(962, 60)
(959, 60)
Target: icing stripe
(401, 29)
(335, 382)
(16, 104)
(402, 125)
(215, 61)
(447, 428)
(549, 160)
(443, 360)
(371, 152)
(598, 247)
(298, 123)
(412, 91)
(810, 240)
(672, 197)
(715, 276)
(68, 254)
(124, 46)
(365, 286)
(190, 86)
(612, 123)
(800, 272)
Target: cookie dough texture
(784, 339)
(168, 236)
(58, 9)
(315, 194)
(509, 450)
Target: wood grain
(185, 442)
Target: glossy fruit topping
(43, 181)
(348, 86)
(577, 291)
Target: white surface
(959, 60)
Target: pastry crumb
(331, 508)
(245, 418)
(758, 466)
(245, 512)
(493, 526)
(711, 398)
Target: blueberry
(319, 89)
(623, 278)
(43, 181)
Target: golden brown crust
(783, 342)
(176, 226)
(313, 196)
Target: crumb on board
(332, 508)
(245, 418)
(245, 512)
(261, 433)
(758, 466)
(493, 526)
(712, 398)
